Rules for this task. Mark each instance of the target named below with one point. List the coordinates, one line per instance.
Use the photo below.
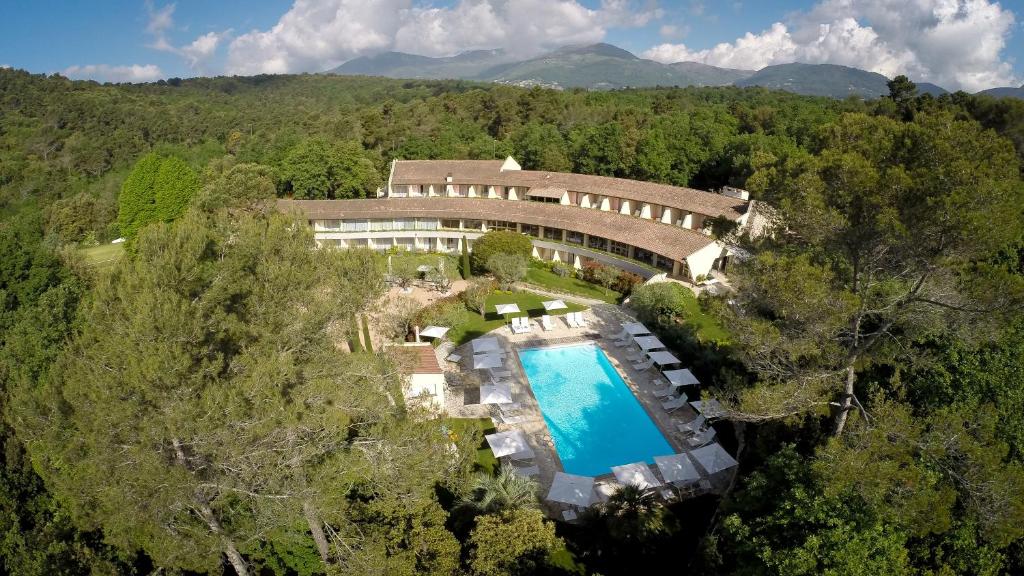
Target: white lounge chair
(675, 403)
(528, 471)
(635, 357)
(643, 366)
(546, 323)
(580, 320)
(499, 373)
(622, 343)
(510, 419)
(570, 319)
(521, 325)
(701, 439)
(693, 426)
(621, 336)
(664, 392)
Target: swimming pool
(595, 420)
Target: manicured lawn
(485, 460)
(708, 329)
(451, 263)
(471, 325)
(102, 256)
(545, 278)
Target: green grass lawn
(102, 256)
(451, 262)
(471, 325)
(708, 328)
(485, 460)
(543, 277)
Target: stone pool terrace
(603, 322)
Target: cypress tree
(353, 339)
(466, 272)
(367, 343)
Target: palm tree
(506, 490)
(633, 516)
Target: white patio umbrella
(486, 344)
(638, 474)
(507, 443)
(681, 377)
(635, 329)
(648, 343)
(677, 468)
(571, 489)
(434, 331)
(663, 358)
(506, 309)
(495, 394)
(713, 458)
(481, 361)
(554, 305)
(709, 408)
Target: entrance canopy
(681, 377)
(648, 343)
(507, 443)
(506, 309)
(638, 474)
(571, 489)
(434, 332)
(677, 468)
(663, 358)
(635, 329)
(713, 458)
(486, 344)
(554, 305)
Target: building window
(553, 234)
(399, 191)
(331, 224)
(381, 225)
(573, 237)
(451, 244)
(500, 225)
(618, 248)
(597, 243)
(643, 256)
(530, 230)
(664, 263)
(330, 243)
(426, 224)
(450, 224)
(473, 224)
(355, 226)
(407, 244)
(405, 224)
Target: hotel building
(432, 205)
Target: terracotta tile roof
(538, 192)
(425, 359)
(489, 172)
(664, 239)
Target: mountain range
(608, 67)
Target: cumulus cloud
(196, 53)
(953, 43)
(316, 35)
(108, 73)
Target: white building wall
(701, 261)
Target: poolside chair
(546, 323)
(580, 320)
(664, 392)
(693, 426)
(509, 419)
(499, 373)
(635, 357)
(675, 403)
(701, 439)
(570, 319)
(643, 366)
(623, 343)
(521, 325)
(528, 471)
(621, 336)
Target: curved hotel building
(431, 205)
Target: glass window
(643, 255)
(381, 225)
(618, 248)
(574, 237)
(426, 223)
(450, 224)
(473, 224)
(355, 226)
(405, 224)
(500, 225)
(597, 242)
(664, 263)
(553, 234)
(529, 229)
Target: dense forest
(185, 410)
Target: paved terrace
(604, 321)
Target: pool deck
(603, 322)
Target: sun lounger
(701, 439)
(675, 403)
(521, 325)
(499, 373)
(635, 357)
(622, 343)
(643, 366)
(528, 471)
(580, 320)
(664, 392)
(510, 419)
(693, 426)
(570, 319)
(621, 336)
(546, 323)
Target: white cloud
(317, 35)
(673, 31)
(953, 43)
(108, 73)
(196, 53)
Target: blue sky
(973, 44)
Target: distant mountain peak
(599, 49)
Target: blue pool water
(594, 419)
